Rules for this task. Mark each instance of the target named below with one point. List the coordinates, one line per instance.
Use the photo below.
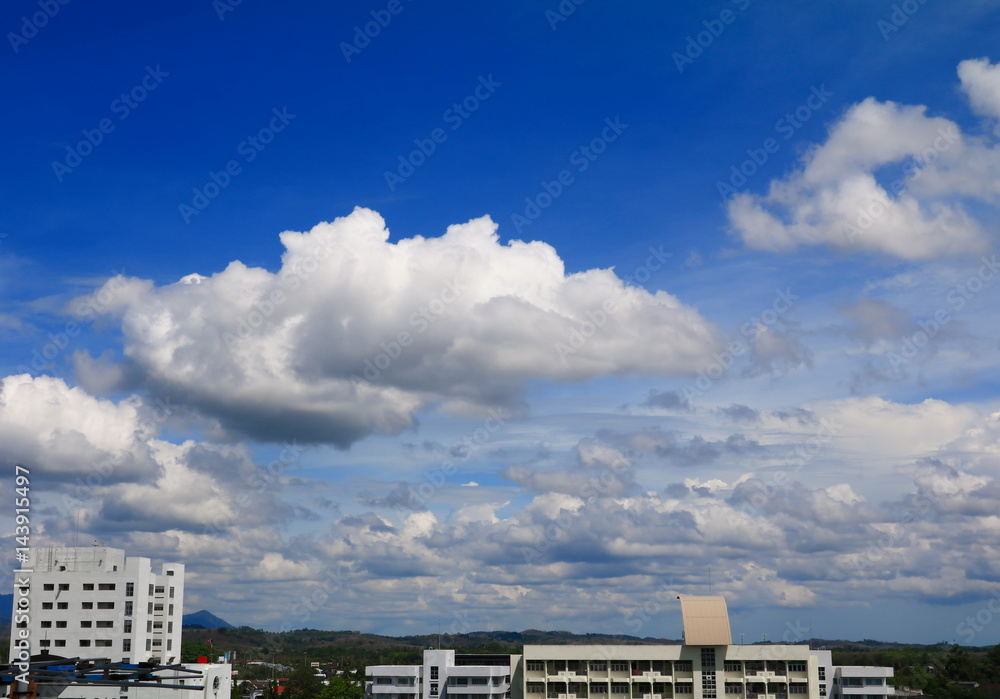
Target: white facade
(634, 672)
(443, 673)
(93, 602)
(862, 682)
(672, 672)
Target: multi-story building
(443, 673)
(706, 666)
(94, 602)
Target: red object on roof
(203, 659)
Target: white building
(443, 673)
(706, 666)
(94, 602)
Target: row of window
(151, 607)
(602, 665)
(616, 688)
(105, 643)
(466, 681)
(106, 587)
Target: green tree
(339, 688)
(192, 650)
(303, 684)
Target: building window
(157, 607)
(683, 666)
(822, 690)
(128, 609)
(170, 627)
(46, 605)
(683, 688)
(798, 689)
(157, 642)
(535, 688)
(150, 590)
(598, 666)
(708, 658)
(598, 689)
(171, 592)
(45, 644)
(149, 608)
(126, 645)
(383, 680)
(105, 624)
(149, 626)
(149, 644)
(103, 642)
(45, 625)
(170, 610)
(170, 572)
(129, 589)
(106, 586)
(49, 587)
(63, 587)
(87, 587)
(157, 625)
(733, 666)
(87, 605)
(734, 688)
(873, 681)
(170, 644)
(796, 667)
(618, 687)
(105, 605)
(159, 589)
(534, 666)
(60, 624)
(434, 689)
(85, 643)
(86, 624)
(127, 626)
(62, 605)
(434, 672)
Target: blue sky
(404, 316)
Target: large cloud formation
(889, 179)
(355, 334)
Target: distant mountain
(205, 620)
